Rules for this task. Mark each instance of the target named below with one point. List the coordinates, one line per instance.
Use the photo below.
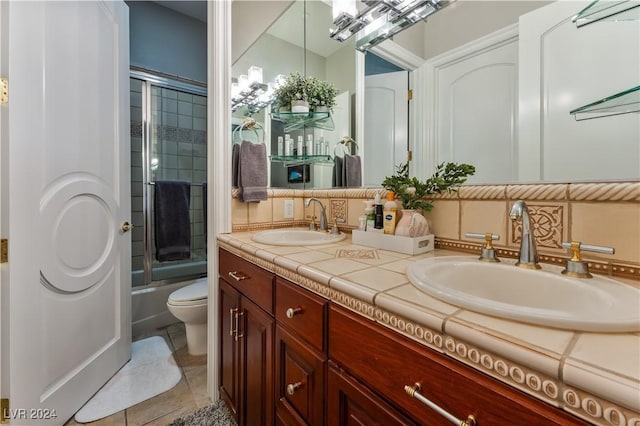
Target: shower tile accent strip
(599, 213)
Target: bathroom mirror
(298, 42)
(493, 16)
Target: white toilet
(189, 305)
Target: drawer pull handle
(238, 276)
(293, 387)
(413, 392)
(291, 312)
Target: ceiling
(288, 27)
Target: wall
(606, 214)
(166, 41)
(466, 20)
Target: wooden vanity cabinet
(246, 340)
(384, 362)
(301, 356)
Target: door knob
(126, 226)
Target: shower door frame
(153, 78)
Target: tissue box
(407, 245)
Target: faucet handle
(488, 252)
(334, 229)
(576, 267)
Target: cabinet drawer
(301, 311)
(387, 361)
(252, 281)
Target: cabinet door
(351, 403)
(229, 356)
(300, 374)
(256, 338)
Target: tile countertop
(595, 376)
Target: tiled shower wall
(178, 152)
(606, 214)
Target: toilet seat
(193, 294)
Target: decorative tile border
(596, 410)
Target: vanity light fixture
(379, 20)
(249, 91)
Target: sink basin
(543, 297)
(296, 237)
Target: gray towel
(352, 171)
(172, 224)
(235, 157)
(252, 172)
(338, 171)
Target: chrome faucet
(323, 214)
(528, 257)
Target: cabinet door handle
(291, 312)
(238, 276)
(239, 313)
(413, 392)
(232, 321)
(293, 387)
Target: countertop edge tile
(584, 376)
(421, 316)
(352, 289)
(314, 274)
(287, 263)
(543, 363)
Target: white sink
(542, 297)
(296, 237)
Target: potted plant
(322, 94)
(413, 193)
(292, 93)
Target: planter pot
(321, 108)
(299, 106)
(284, 109)
(412, 224)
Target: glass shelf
(299, 120)
(620, 103)
(605, 10)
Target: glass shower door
(168, 131)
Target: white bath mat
(151, 371)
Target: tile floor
(188, 395)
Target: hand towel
(252, 172)
(338, 171)
(235, 157)
(352, 171)
(172, 224)
(204, 213)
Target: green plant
(293, 88)
(321, 93)
(412, 191)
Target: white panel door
(386, 125)
(66, 297)
(476, 110)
